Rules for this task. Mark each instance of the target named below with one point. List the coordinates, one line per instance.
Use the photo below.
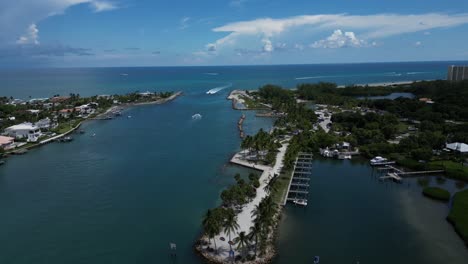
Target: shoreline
(25, 148)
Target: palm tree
(242, 240)
(271, 186)
(254, 233)
(230, 225)
(212, 226)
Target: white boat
(378, 160)
(300, 202)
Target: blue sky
(77, 33)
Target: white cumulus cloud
(31, 36)
(18, 15)
(369, 27)
(339, 39)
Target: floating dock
(298, 188)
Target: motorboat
(300, 202)
(378, 160)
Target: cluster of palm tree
(225, 219)
(217, 220)
(262, 141)
(265, 214)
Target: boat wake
(217, 89)
(211, 73)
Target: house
(146, 94)
(65, 113)
(59, 99)
(48, 105)
(44, 124)
(26, 131)
(457, 147)
(426, 100)
(344, 146)
(34, 111)
(7, 142)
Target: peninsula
(30, 123)
(419, 132)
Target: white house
(24, 131)
(458, 147)
(45, 123)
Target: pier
(398, 174)
(298, 188)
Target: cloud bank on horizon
(25, 35)
(371, 27)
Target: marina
(298, 189)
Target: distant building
(458, 147)
(26, 131)
(426, 100)
(457, 73)
(59, 99)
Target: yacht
(378, 160)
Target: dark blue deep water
(143, 182)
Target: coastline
(25, 148)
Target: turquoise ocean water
(143, 182)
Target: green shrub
(437, 193)
(458, 215)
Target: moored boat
(300, 202)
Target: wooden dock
(398, 174)
(298, 188)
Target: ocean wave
(211, 73)
(413, 73)
(217, 89)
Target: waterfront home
(65, 113)
(146, 94)
(458, 147)
(44, 124)
(7, 142)
(26, 131)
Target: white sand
(244, 218)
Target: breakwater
(239, 126)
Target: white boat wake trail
(217, 89)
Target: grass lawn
(459, 214)
(453, 169)
(252, 104)
(437, 193)
(281, 187)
